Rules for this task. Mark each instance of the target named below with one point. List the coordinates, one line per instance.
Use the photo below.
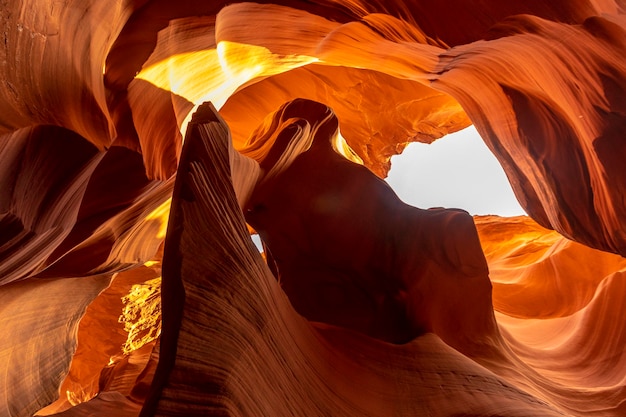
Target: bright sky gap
(456, 171)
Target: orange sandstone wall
(96, 98)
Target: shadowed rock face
(348, 252)
(95, 99)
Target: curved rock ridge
(269, 360)
(429, 78)
(537, 273)
(229, 314)
(114, 359)
(567, 91)
(94, 97)
(569, 336)
(67, 229)
(348, 252)
(39, 320)
(235, 298)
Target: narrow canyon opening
(456, 171)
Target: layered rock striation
(360, 304)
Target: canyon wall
(142, 142)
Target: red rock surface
(365, 306)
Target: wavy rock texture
(379, 308)
(309, 368)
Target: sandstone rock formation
(360, 305)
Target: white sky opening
(456, 171)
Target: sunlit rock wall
(95, 99)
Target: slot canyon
(144, 142)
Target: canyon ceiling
(143, 142)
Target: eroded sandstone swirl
(360, 304)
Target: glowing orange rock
(93, 99)
(269, 360)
